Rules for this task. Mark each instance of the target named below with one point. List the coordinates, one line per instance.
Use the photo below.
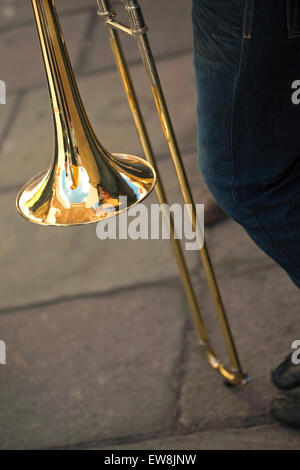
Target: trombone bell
(85, 183)
(70, 195)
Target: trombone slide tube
(138, 29)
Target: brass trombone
(85, 181)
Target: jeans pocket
(218, 26)
(248, 19)
(293, 18)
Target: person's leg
(247, 63)
(249, 143)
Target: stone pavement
(101, 349)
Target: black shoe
(287, 375)
(286, 408)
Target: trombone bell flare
(67, 195)
(85, 183)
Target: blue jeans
(247, 62)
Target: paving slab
(170, 34)
(91, 369)
(7, 117)
(268, 437)
(30, 141)
(263, 308)
(62, 262)
(233, 249)
(21, 62)
(13, 13)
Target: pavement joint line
(181, 365)
(250, 265)
(109, 68)
(22, 92)
(171, 282)
(169, 433)
(159, 58)
(30, 22)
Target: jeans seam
(248, 19)
(292, 15)
(249, 4)
(233, 120)
(234, 153)
(270, 239)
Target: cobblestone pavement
(101, 349)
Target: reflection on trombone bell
(84, 177)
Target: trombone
(85, 181)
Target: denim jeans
(247, 62)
